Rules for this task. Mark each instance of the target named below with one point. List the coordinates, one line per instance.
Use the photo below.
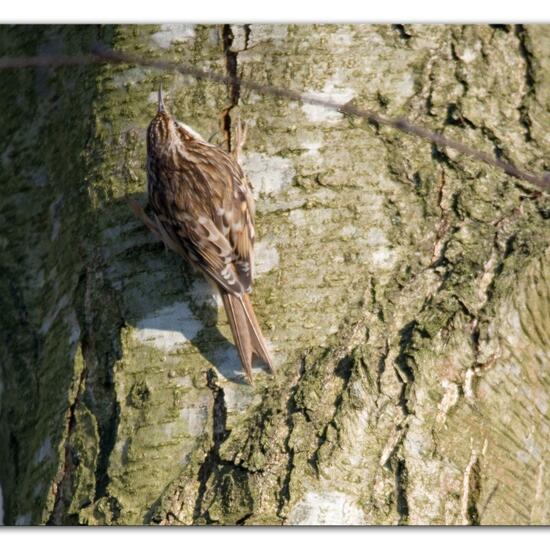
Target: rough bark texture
(404, 290)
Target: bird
(203, 210)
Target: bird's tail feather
(246, 331)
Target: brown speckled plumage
(204, 211)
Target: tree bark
(403, 289)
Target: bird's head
(162, 131)
(165, 132)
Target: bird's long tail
(246, 331)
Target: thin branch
(102, 54)
(49, 61)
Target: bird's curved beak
(161, 108)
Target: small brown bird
(204, 211)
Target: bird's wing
(235, 219)
(206, 247)
(207, 207)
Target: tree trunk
(403, 289)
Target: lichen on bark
(403, 289)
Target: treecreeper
(203, 210)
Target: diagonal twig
(102, 54)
